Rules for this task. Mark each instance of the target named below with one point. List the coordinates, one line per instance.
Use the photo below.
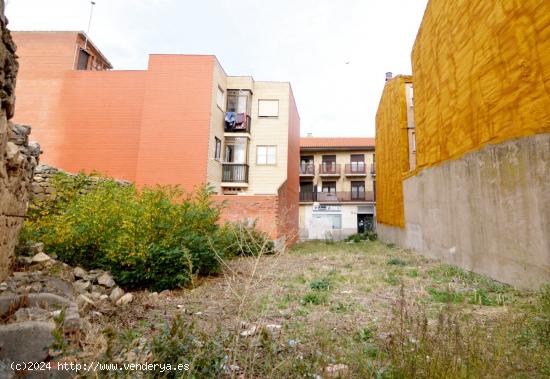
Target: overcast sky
(334, 52)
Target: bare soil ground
(325, 300)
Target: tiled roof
(336, 142)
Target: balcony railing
(329, 169)
(336, 197)
(237, 122)
(307, 169)
(235, 173)
(356, 168)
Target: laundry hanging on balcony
(240, 121)
(230, 120)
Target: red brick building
(183, 121)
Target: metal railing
(235, 173)
(329, 169)
(337, 197)
(307, 169)
(241, 124)
(356, 168)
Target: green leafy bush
(156, 237)
(369, 235)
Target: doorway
(365, 223)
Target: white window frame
(217, 148)
(266, 155)
(268, 111)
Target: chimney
(310, 134)
(389, 75)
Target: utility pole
(89, 24)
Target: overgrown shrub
(369, 235)
(156, 237)
(244, 240)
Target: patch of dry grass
(336, 304)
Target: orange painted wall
(175, 121)
(101, 115)
(43, 60)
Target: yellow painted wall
(392, 160)
(481, 75)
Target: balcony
(237, 122)
(234, 173)
(336, 197)
(356, 169)
(329, 170)
(307, 170)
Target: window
(333, 220)
(239, 101)
(329, 164)
(220, 98)
(358, 190)
(357, 163)
(328, 187)
(268, 108)
(218, 149)
(306, 165)
(83, 58)
(267, 155)
(236, 150)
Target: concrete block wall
(488, 212)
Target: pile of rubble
(47, 295)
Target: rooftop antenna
(89, 23)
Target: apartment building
(183, 121)
(337, 187)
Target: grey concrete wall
(487, 212)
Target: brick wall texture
(149, 126)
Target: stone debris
(249, 332)
(337, 371)
(80, 273)
(126, 299)
(83, 301)
(116, 294)
(106, 280)
(81, 285)
(274, 327)
(40, 258)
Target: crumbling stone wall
(17, 157)
(43, 185)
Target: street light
(89, 23)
